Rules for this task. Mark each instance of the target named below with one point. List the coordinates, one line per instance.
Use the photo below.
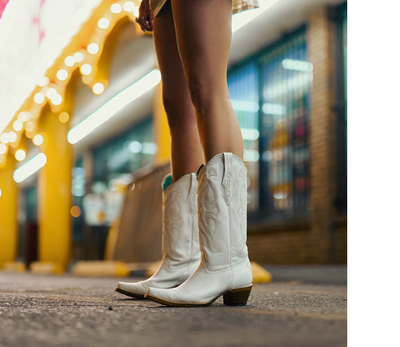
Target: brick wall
(293, 246)
(284, 247)
(321, 134)
(323, 240)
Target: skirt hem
(236, 8)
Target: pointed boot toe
(135, 290)
(180, 238)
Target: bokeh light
(98, 88)
(78, 56)
(29, 126)
(129, 6)
(3, 148)
(75, 211)
(37, 140)
(12, 137)
(69, 61)
(44, 81)
(62, 74)
(51, 93)
(116, 8)
(20, 155)
(56, 100)
(18, 125)
(4, 138)
(23, 116)
(63, 117)
(38, 98)
(86, 69)
(93, 48)
(103, 23)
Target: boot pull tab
(228, 181)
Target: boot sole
(132, 295)
(236, 297)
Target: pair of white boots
(204, 239)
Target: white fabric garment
(237, 5)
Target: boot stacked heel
(237, 297)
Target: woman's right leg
(181, 251)
(186, 150)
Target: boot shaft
(222, 216)
(180, 242)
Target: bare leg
(203, 31)
(186, 151)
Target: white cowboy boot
(225, 267)
(180, 244)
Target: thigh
(204, 33)
(173, 79)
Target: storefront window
(28, 223)
(286, 78)
(340, 31)
(270, 95)
(113, 165)
(243, 89)
(78, 192)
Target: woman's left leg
(203, 29)
(204, 33)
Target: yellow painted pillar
(162, 136)
(8, 212)
(54, 196)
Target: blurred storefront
(288, 91)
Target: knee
(199, 93)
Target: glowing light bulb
(69, 61)
(23, 117)
(78, 56)
(86, 69)
(18, 125)
(63, 117)
(62, 74)
(44, 81)
(20, 155)
(3, 148)
(103, 23)
(93, 48)
(34, 112)
(38, 98)
(4, 138)
(116, 8)
(98, 88)
(12, 137)
(56, 100)
(129, 6)
(28, 116)
(75, 211)
(51, 93)
(29, 127)
(37, 140)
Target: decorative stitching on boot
(242, 211)
(173, 220)
(208, 211)
(228, 182)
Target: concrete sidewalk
(70, 311)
